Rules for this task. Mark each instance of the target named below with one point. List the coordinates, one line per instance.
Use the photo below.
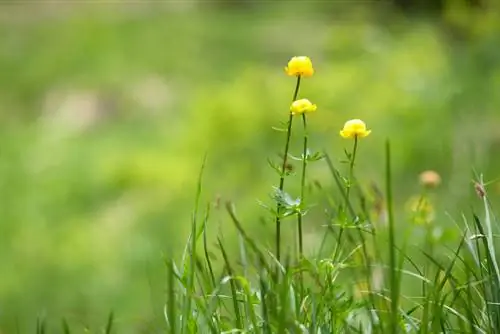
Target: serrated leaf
(267, 207)
(274, 166)
(315, 156)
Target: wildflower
(302, 106)
(300, 66)
(421, 209)
(430, 178)
(355, 128)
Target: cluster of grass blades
(43, 328)
(256, 293)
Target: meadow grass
(349, 290)
(353, 287)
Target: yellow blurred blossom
(430, 178)
(302, 106)
(421, 209)
(355, 128)
(300, 66)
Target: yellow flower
(421, 210)
(302, 106)
(300, 66)
(354, 128)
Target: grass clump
(362, 277)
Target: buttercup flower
(430, 178)
(302, 106)
(300, 66)
(355, 128)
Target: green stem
(302, 185)
(348, 191)
(282, 176)
(302, 195)
(351, 169)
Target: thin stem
(352, 158)
(351, 169)
(282, 176)
(302, 186)
(302, 201)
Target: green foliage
(355, 292)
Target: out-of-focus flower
(302, 106)
(355, 128)
(430, 179)
(300, 66)
(421, 210)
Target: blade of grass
(393, 277)
(246, 237)
(40, 325)
(263, 299)
(336, 175)
(239, 321)
(489, 281)
(283, 298)
(109, 325)
(192, 251)
(244, 261)
(65, 327)
(205, 249)
(171, 304)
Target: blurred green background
(107, 109)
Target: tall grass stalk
(393, 273)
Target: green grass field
(108, 110)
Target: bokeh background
(108, 107)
